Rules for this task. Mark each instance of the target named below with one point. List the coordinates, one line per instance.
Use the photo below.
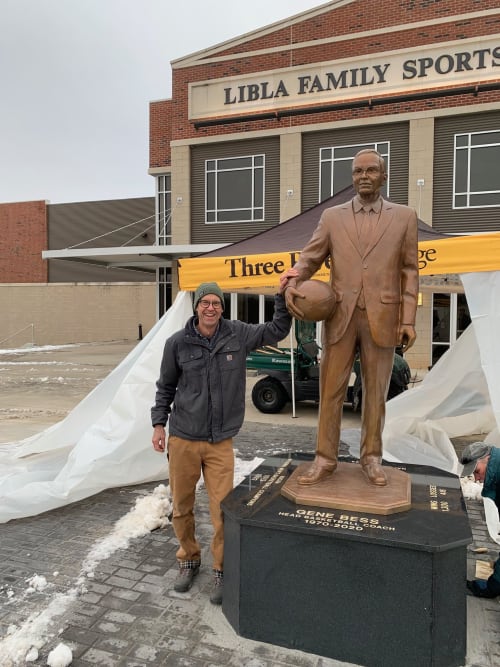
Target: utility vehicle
(272, 392)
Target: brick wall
(23, 236)
(160, 130)
(353, 17)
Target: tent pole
(292, 367)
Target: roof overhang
(146, 258)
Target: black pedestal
(380, 591)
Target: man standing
(201, 392)
(483, 462)
(372, 245)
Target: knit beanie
(208, 288)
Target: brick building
(24, 236)
(58, 301)
(264, 126)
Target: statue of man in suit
(372, 245)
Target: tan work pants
(187, 459)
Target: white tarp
(105, 441)
(483, 297)
(460, 395)
(452, 400)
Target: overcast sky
(76, 79)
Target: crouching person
(201, 392)
(483, 461)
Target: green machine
(272, 392)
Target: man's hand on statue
(285, 278)
(407, 336)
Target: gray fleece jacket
(201, 388)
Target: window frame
(257, 211)
(163, 205)
(452, 307)
(468, 147)
(386, 154)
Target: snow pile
(470, 488)
(32, 655)
(150, 512)
(22, 643)
(61, 656)
(36, 583)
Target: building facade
(57, 301)
(264, 126)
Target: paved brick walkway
(131, 617)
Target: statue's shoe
(375, 474)
(319, 470)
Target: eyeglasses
(205, 303)
(371, 171)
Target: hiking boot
(217, 590)
(185, 578)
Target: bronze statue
(372, 245)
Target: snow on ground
(23, 642)
(471, 489)
(40, 348)
(61, 656)
(36, 583)
(150, 512)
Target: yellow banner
(460, 254)
(261, 273)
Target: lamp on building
(420, 185)
(420, 299)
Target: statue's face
(368, 174)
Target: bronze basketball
(319, 302)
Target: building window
(450, 318)
(476, 182)
(253, 308)
(164, 209)
(335, 167)
(234, 189)
(164, 289)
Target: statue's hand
(291, 294)
(407, 336)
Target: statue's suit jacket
(386, 271)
